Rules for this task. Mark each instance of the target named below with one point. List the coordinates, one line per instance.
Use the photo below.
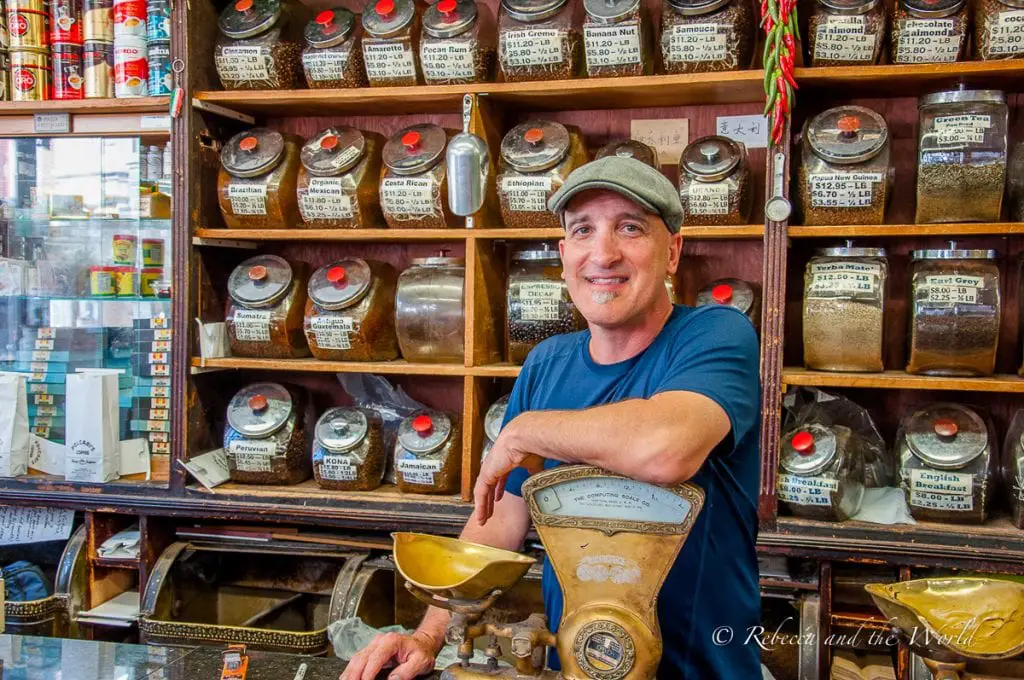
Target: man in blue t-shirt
(660, 393)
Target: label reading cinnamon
(243, 63)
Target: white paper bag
(14, 436)
(93, 445)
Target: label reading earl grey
(385, 61)
(1006, 34)
(708, 198)
(843, 279)
(806, 490)
(843, 189)
(338, 468)
(244, 63)
(540, 300)
(526, 194)
(952, 289)
(252, 325)
(248, 199)
(928, 41)
(532, 47)
(415, 471)
(612, 45)
(325, 65)
(325, 199)
(447, 59)
(698, 42)
(408, 196)
(844, 38)
(332, 332)
(252, 456)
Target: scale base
(475, 671)
(945, 671)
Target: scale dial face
(600, 497)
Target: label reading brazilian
(248, 199)
(526, 194)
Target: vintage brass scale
(611, 541)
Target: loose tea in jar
(961, 171)
(821, 473)
(338, 183)
(844, 309)
(256, 181)
(538, 303)
(259, 45)
(428, 453)
(429, 310)
(265, 436)
(629, 148)
(414, 188)
(539, 40)
(928, 31)
(617, 38)
(348, 450)
(264, 315)
(458, 43)
(536, 159)
(845, 175)
(846, 32)
(699, 36)
(333, 56)
(947, 462)
(493, 420)
(998, 29)
(743, 295)
(350, 313)
(1013, 468)
(714, 182)
(955, 308)
(391, 43)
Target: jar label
(938, 481)
(843, 189)
(416, 471)
(408, 196)
(526, 194)
(698, 42)
(388, 60)
(338, 468)
(447, 59)
(952, 289)
(325, 199)
(248, 199)
(1006, 34)
(806, 490)
(1018, 488)
(243, 62)
(533, 47)
(252, 325)
(252, 456)
(332, 332)
(843, 279)
(612, 45)
(965, 129)
(708, 198)
(540, 300)
(928, 41)
(842, 38)
(322, 65)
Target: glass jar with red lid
(333, 56)
(821, 472)
(414, 187)
(391, 43)
(259, 45)
(265, 312)
(265, 435)
(428, 453)
(338, 183)
(458, 43)
(743, 295)
(257, 180)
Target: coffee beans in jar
(333, 55)
(350, 312)
(391, 43)
(714, 182)
(493, 421)
(955, 310)
(539, 40)
(348, 450)
(629, 148)
(947, 464)
(265, 313)
(1012, 467)
(536, 160)
(256, 185)
(538, 305)
(338, 183)
(821, 472)
(428, 453)
(430, 311)
(846, 32)
(742, 295)
(928, 31)
(260, 45)
(699, 36)
(998, 29)
(617, 38)
(414, 187)
(458, 43)
(265, 436)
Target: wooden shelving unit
(138, 116)
(898, 380)
(88, 106)
(892, 230)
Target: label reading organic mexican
(842, 38)
(408, 196)
(843, 279)
(532, 47)
(843, 189)
(388, 60)
(708, 198)
(928, 41)
(698, 42)
(447, 59)
(540, 300)
(325, 65)
(526, 194)
(248, 199)
(1006, 34)
(338, 468)
(252, 325)
(332, 332)
(416, 471)
(952, 289)
(612, 45)
(243, 63)
(252, 456)
(806, 490)
(325, 199)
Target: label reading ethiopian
(928, 41)
(612, 45)
(843, 189)
(807, 490)
(526, 194)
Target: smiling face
(615, 257)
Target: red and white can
(66, 22)
(68, 78)
(129, 18)
(131, 67)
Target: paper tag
(156, 122)
(937, 481)
(697, 42)
(325, 198)
(669, 136)
(844, 38)
(252, 456)
(51, 123)
(941, 501)
(20, 525)
(415, 471)
(843, 279)
(526, 194)
(1006, 34)
(533, 47)
(612, 45)
(447, 59)
(952, 289)
(44, 344)
(243, 62)
(46, 456)
(752, 129)
(842, 189)
(408, 196)
(806, 490)
(540, 300)
(385, 61)
(338, 468)
(708, 198)
(252, 325)
(928, 41)
(324, 65)
(332, 332)
(962, 122)
(210, 469)
(134, 457)
(248, 199)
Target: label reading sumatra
(843, 189)
(540, 300)
(408, 196)
(325, 199)
(526, 194)
(928, 41)
(533, 47)
(325, 65)
(332, 332)
(612, 45)
(415, 471)
(252, 325)
(252, 456)
(447, 59)
(952, 289)
(806, 490)
(843, 279)
(385, 61)
(709, 198)
(1006, 34)
(698, 42)
(248, 199)
(338, 468)
(243, 63)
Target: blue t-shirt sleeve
(517, 404)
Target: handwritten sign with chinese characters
(751, 130)
(669, 136)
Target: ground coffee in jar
(260, 45)
(629, 148)
(338, 183)
(458, 43)
(265, 312)
(928, 31)
(430, 312)
(350, 313)
(821, 473)
(846, 32)
(333, 56)
(714, 182)
(428, 453)
(493, 421)
(348, 450)
(1013, 468)
(955, 309)
(391, 44)
(414, 188)
(257, 180)
(998, 29)
(617, 38)
(947, 458)
(265, 436)
(743, 295)
(707, 35)
(538, 303)
(539, 40)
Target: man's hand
(504, 457)
(412, 655)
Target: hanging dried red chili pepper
(779, 21)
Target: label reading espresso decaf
(540, 300)
(248, 199)
(807, 490)
(526, 194)
(843, 189)
(952, 289)
(252, 456)
(416, 471)
(939, 490)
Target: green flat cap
(636, 181)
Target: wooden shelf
(115, 562)
(959, 228)
(496, 371)
(88, 106)
(898, 380)
(908, 80)
(399, 367)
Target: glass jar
(338, 184)
(699, 36)
(458, 43)
(265, 435)
(1013, 468)
(846, 32)
(428, 453)
(348, 450)
(414, 188)
(998, 29)
(617, 38)
(333, 56)
(536, 159)
(493, 421)
(947, 461)
(1015, 183)
(350, 313)
(821, 473)
(264, 315)
(961, 171)
(844, 309)
(429, 310)
(954, 322)
(256, 180)
(538, 40)
(928, 31)
(259, 45)
(538, 303)
(743, 295)
(845, 174)
(391, 43)
(629, 148)
(714, 182)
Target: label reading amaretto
(332, 332)
(325, 199)
(388, 60)
(708, 198)
(843, 189)
(842, 38)
(248, 199)
(415, 471)
(612, 45)
(533, 47)
(698, 42)
(928, 41)
(526, 194)
(1006, 34)
(252, 456)
(952, 289)
(243, 63)
(408, 196)
(338, 468)
(252, 325)
(843, 279)
(447, 59)
(540, 300)
(940, 490)
(325, 65)
(807, 490)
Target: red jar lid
(721, 293)
(534, 136)
(248, 144)
(423, 424)
(384, 7)
(803, 442)
(258, 402)
(946, 427)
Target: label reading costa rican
(928, 41)
(447, 59)
(252, 456)
(952, 290)
(540, 300)
(612, 45)
(533, 47)
(325, 65)
(243, 63)
(526, 194)
(841, 38)
(843, 190)
(248, 199)
(388, 60)
(708, 198)
(252, 325)
(338, 468)
(806, 490)
(415, 471)
(1006, 34)
(843, 279)
(408, 196)
(698, 42)
(332, 332)
(325, 198)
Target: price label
(952, 290)
(612, 45)
(444, 60)
(385, 61)
(415, 471)
(927, 41)
(835, 280)
(964, 122)
(323, 65)
(540, 300)
(843, 190)
(708, 198)
(698, 42)
(332, 332)
(526, 194)
(338, 468)
(409, 196)
(51, 123)
(941, 501)
(1006, 34)
(244, 63)
(252, 456)
(248, 199)
(806, 490)
(252, 325)
(844, 39)
(325, 199)
(533, 47)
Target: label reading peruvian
(939, 490)
(612, 45)
(447, 59)
(841, 279)
(325, 199)
(415, 471)
(1006, 34)
(842, 189)
(844, 39)
(540, 300)
(408, 196)
(952, 289)
(708, 198)
(533, 47)
(252, 456)
(248, 199)
(928, 41)
(332, 332)
(325, 65)
(526, 194)
(338, 468)
(807, 490)
(243, 63)
(698, 42)
(252, 325)
(388, 60)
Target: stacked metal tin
(5, 75)
(66, 49)
(158, 33)
(98, 49)
(131, 49)
(29, 50)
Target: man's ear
(675, 250)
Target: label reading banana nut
(526, 194)
(612, 45)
